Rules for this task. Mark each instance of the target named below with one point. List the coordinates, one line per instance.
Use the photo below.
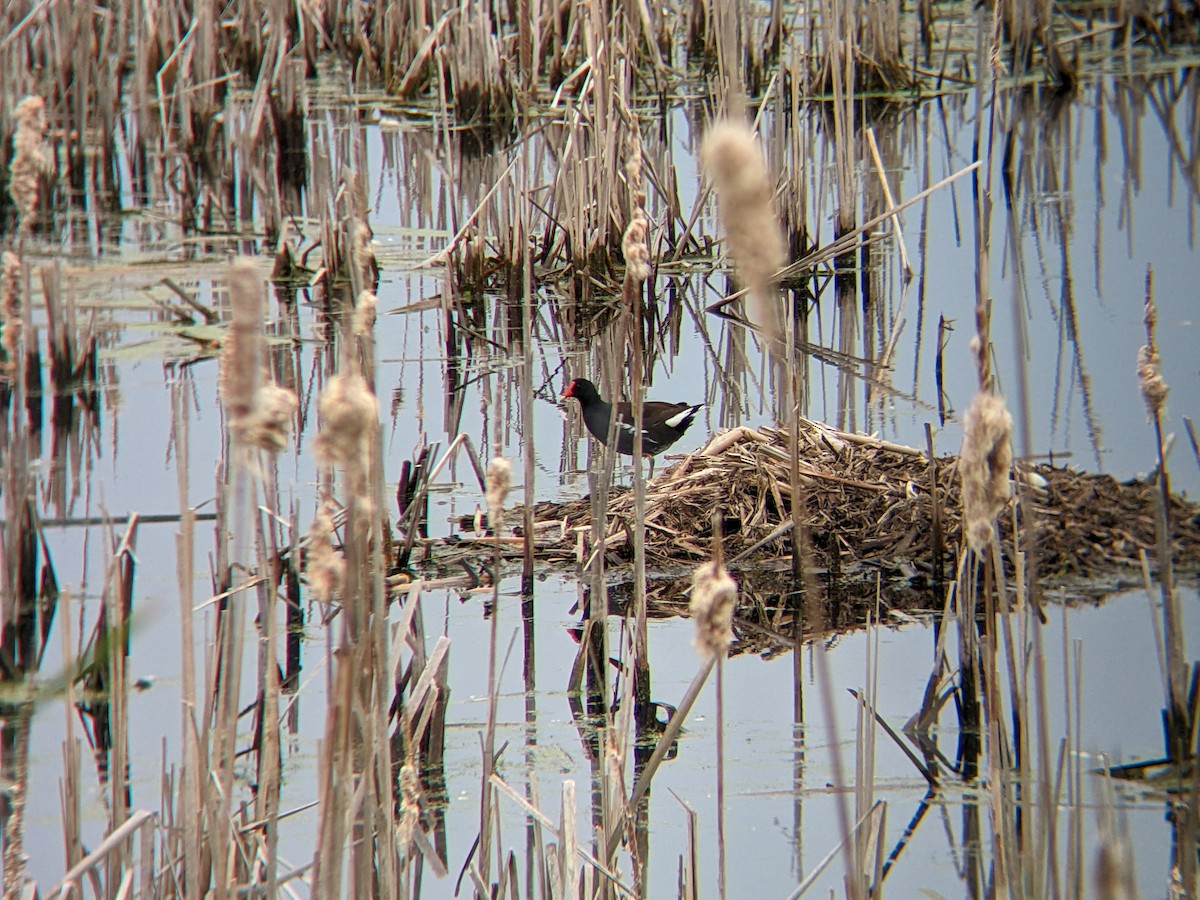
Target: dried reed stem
(10, 310)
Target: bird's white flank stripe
(679, 418)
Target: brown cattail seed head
(1150, 380)
(349, 417)
(635, 242)
(731, 157)
(636, 250)
(499, 480)
(362, 255)
(714, 598)
(984, 466)
(31, 157)
(364, 314)
(324, 569)
(270, 419)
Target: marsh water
(1102, 188)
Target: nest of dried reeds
(871, 503)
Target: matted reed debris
(869, 506)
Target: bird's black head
(582, 390)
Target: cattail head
(1150, 380)
(31, 157)
(362, 255)
(984, 466)
(324, 568)
(270, 419)
(635, 244)
(364, 313)
(733, 160)
(499, 480)
(637, 252)
(714, 598)
(349, 418)
(1153, 385)
(260, 412)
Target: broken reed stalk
(188, 807)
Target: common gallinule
(662, 423)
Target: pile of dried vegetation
(870, 505)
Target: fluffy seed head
(31, 157)
(324, 568)
(731, 157)
(714, 598)
(499, 480)
(269, 421)
(983, 466)
(349, 417)
(1150, 380)
(635, 248)
(362, 255)
(364, 313)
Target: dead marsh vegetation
(551, 202)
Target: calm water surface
(1087, 221)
